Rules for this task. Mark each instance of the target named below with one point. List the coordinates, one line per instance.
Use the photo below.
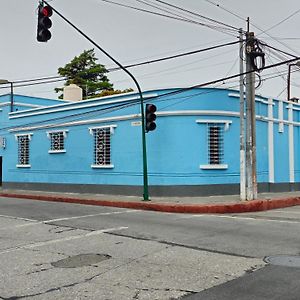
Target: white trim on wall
(280, 116)
(291, 144)
(226, 122)
(64, 131)
(271, 141)
(24, 134)
(22, 104)
(237, 95)
(72, 106)
(130, 117)
(214, 167)
(91, 129)
(102, 166)
(159, 114)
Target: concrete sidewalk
(212, 204)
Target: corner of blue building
(95, 145)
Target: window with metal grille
(23, 150)
(57, 141)
(102, 143)
(215, 144)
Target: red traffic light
(44, 23)
(151, 108)
(46, 11)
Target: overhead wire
(178, 66)
(60, 78)
(177, 55)
(253, 24)
(135, 102)
(197, 14)
(280, 22)
(214, 27)
(228, 11)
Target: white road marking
(286, 211)
(240, 218)
(17, 218)
(77, 217)
(69, 238)
(36, 222)
(259, 219)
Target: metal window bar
(102, 146)
(215, 144)
(23, 150)
(57, 141)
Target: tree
(112, 92)
(83, 71)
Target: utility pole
(242, 122)
(251, 179)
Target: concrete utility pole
(242, 122)
(251, 180)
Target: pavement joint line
(65, 239)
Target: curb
(217, 208)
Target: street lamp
(289, 79)
(4, 81)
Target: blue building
(95, 145)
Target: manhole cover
(80, 260)
(283, 260)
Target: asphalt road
(151, 255)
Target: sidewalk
(212, 204)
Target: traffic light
(44, 23)
(150, 117)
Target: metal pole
(11, 97)
(242, 122)
(145, 169)
(289, 82)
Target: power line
(179, 66)
(34, 83)
(177, 55)
(60, 78)
(282, 21)
(218, 28)
(244, 19)
(281, 51)
(228, 77)
(165, 10)
(197, 14)
(228, 11)
(130, 102)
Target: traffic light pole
(145, 168)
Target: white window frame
(209, 123)
(49, 135)
(92, 131)
(19, 164)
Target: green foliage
(83, 71)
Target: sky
(133, 36)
